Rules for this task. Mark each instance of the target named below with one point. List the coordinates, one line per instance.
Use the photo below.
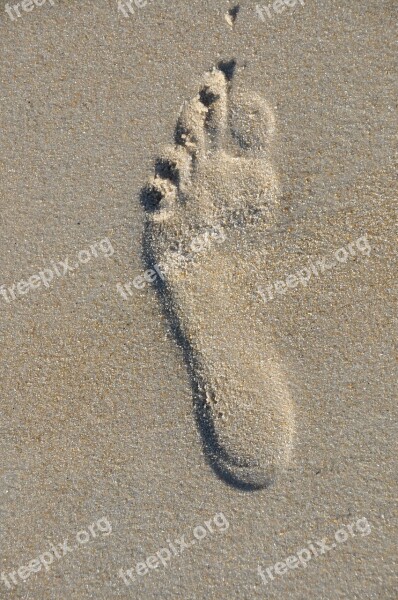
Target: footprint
(216, 185)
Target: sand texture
(198, 259)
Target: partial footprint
(212, 193)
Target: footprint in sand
(218, 178)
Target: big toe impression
(252, 122)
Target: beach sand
(97, 407)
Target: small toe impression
(228, 66)
(158, 198)
(167, 168)
(204, 119)
(174, 165)
(252, 122)
(213, 95)
(190, 126)
(172, 173)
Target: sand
(98, 418)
